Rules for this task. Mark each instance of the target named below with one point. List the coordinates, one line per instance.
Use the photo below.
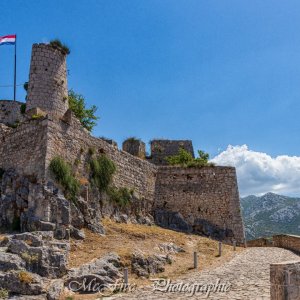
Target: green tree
(85, 115)
(185, 159)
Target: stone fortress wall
(203, 200)
(24, 148)
(73, 143)
(207, 199)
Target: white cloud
(259, 173)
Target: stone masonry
(48, 80)
(285, 280)
(10, 112)
(203, 200)
(134, 147)
(160, 149)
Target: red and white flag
(8, 39)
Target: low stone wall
(261, 242)
(10, 112)
(290, 242)
(285, 280)
(203, 200)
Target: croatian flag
(8, 40)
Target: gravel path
(248, 273)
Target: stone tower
(47, 88)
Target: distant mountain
(270, 214)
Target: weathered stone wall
(285, 280)
(204, 200)
(290, 242)
(24, 148)
(47, 87)
(201, 200)
(160, 149)
(10, 112)
(134, 147)
(72, 142)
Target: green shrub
(121, 196)
(86, 116)
(185, 159)
(23, 108)
(182, 158)
(92, 151)
(77, 162)
(57, 44)
(63, 175)
(132, 139)
(4, 293)
(14, 125)
(37, 117)
(102, 171)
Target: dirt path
(248, 273)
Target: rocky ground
(131, 241)
(248, 273)
(37, 266)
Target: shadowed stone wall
(47, 87)
(204, 200)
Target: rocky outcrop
(170, 248)
(144, 266)
(33, 264)
(102, 271)
(175, 221)
(28, 205)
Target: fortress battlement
(201, 200)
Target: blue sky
(217, 72)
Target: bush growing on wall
(185, 159)
(57, 44)
(102, 169)
(63, 175)
(85, 115)
(121, 196)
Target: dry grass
(25, 277)
(124, 239)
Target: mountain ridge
(270, 214)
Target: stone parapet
(290, 242)
(285, 280)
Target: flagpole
(15, 70)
